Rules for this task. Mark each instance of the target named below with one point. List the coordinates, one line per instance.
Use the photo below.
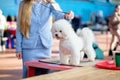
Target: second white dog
(71, 46)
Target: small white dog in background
(71, 45)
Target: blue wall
(84, 8)
(9, 7)
(81, 8)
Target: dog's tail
(87, 34)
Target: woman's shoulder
(21, 3)
(52, 1)
(111, 16)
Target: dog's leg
(64, 59)
(3, 47)
(0, 48)
(90, 53)
(75, 59)
(3, 43)
(0, 44)
(81, 55)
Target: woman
(34, 38)
(114, 26)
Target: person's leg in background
(113, 44)
(116, 40)
(13, 41)
(118, 35)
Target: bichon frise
(71, 45)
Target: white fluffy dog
(71, 46)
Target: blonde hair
(25, 16)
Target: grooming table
(53, 64)
(32, 65)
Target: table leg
(31, 71)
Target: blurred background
(83, 8)
(80, 7)
(88, 13)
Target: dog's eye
(60, 31)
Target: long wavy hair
(25, 16)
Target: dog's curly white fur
(71, 46)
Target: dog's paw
(91, 60)
(81, 59)
(64, 62)
(75, 63)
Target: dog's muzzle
(56, 35)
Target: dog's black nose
(56, 34)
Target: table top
(54, 64)
(38, 64)
(81, 73)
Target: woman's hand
(19, 55)
(69, 15)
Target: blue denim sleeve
(18, 40)
(18, 35)
(57, 14)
